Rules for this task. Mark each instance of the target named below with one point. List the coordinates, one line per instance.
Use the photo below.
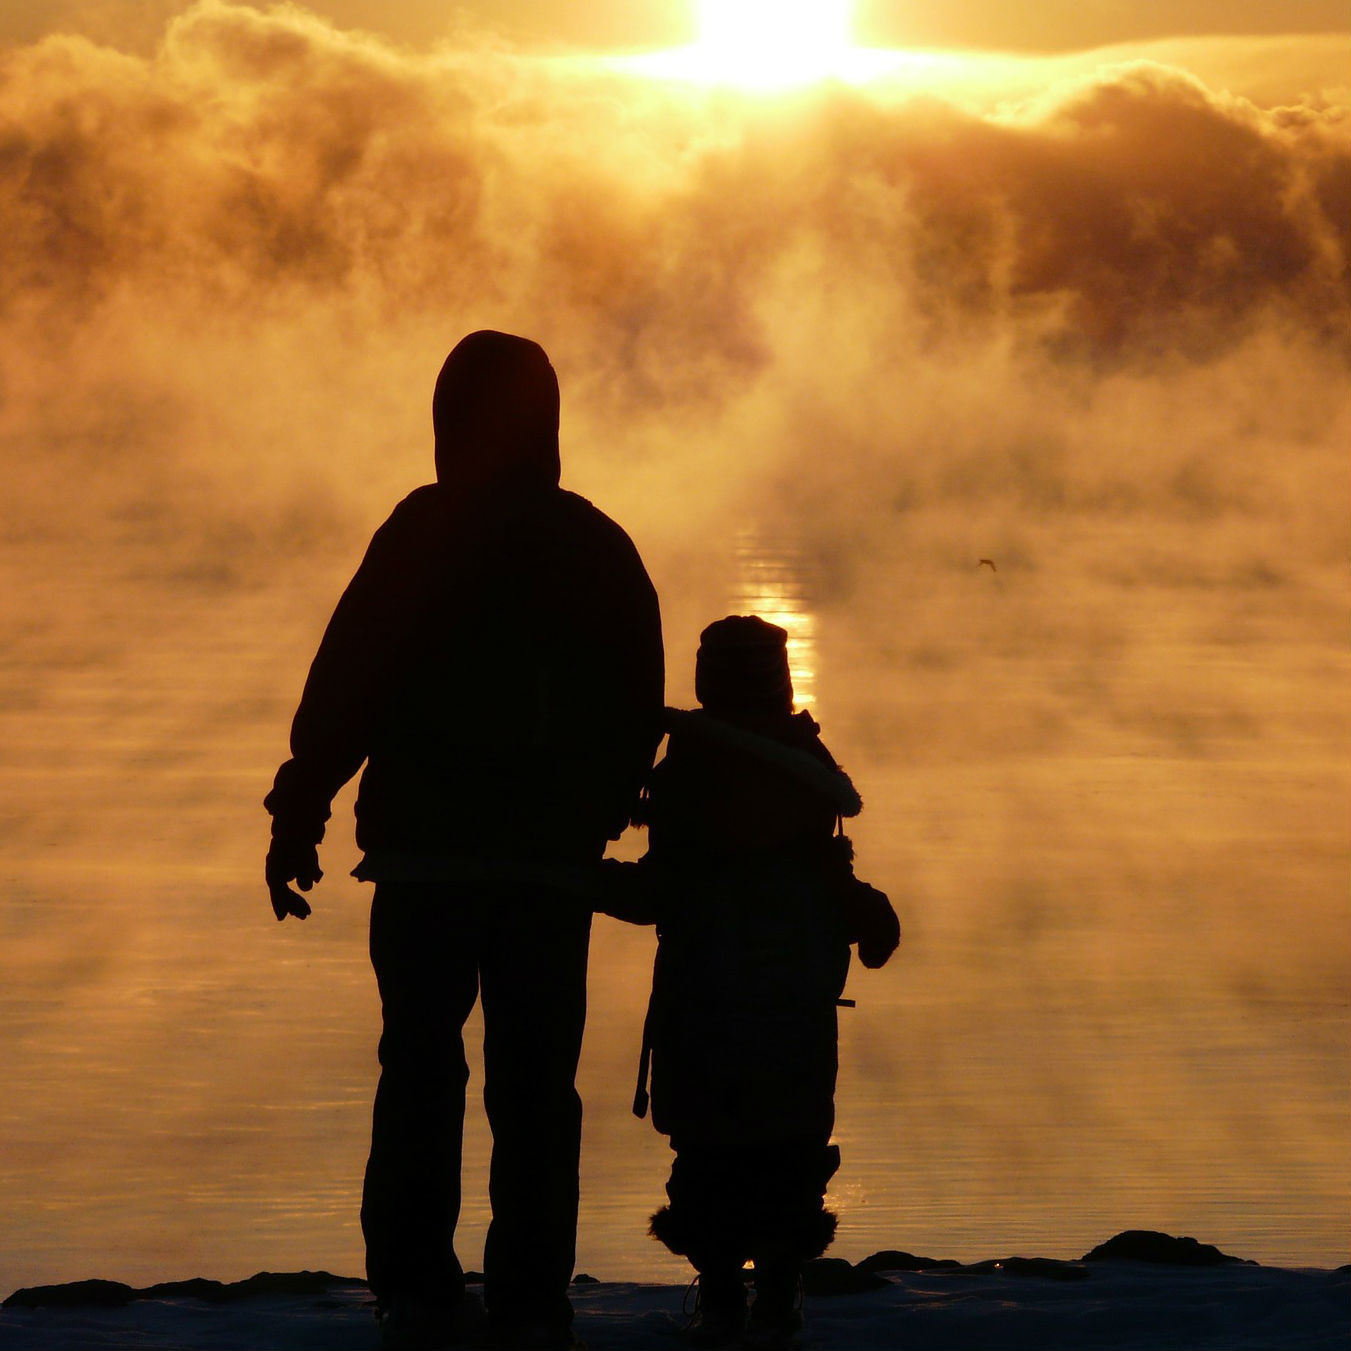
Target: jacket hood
(495, 414)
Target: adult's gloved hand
(291, 861)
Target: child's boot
(719, 1318)
(775, 1322)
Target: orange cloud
(259, 150)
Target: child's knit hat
(742, 667)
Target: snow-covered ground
(1038, 1305)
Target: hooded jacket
(496, 661)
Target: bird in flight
(987, 563)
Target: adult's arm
(330, 734)
(638, 673)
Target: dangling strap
(843, 1003)
(640, 1094)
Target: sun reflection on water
(772, 582)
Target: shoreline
(1140, 1290)
(822, 1276)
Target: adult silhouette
(496, 663)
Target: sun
(773, 42)
(763, 44)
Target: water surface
(1121, 1000)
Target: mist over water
(826, 349)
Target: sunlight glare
(766, 44)
(773, 42)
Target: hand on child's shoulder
(625, 891)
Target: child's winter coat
(750, 884)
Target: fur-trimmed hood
(799, 764)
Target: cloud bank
(262, 156)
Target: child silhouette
(749, 880)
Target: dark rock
(104, 1294)
(289, 1283)
(1045, 1268)
(198, 1287)
(891, 1259)
(114, 1293)
(1147, 1245)
(835, 1276)
(581, 1278)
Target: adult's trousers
(436, 948)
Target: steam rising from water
(229, 270)
(1098, 331)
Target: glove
(874, 921)
(291, 861)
